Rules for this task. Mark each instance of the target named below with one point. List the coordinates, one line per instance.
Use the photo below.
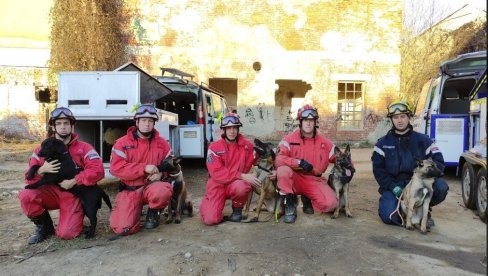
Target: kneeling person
(135, 160)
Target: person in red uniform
(135, 160)
(35, 203)
(229, 161)
(303, 156)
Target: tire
(481, 194)
(468, 189)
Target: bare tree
(422, 52)
(86, 35)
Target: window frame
(354, 101)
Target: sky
(420, 14)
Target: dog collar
(263, 168)
(176, 174)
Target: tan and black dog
(416, 196)
(179, 200)
(340, 177)
(267, 193)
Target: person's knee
(440, 192)
(208, 219)
(384, 216)
(68, 233)
(326, 205)
(283, 171)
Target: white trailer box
(103, 104)
(96, 95)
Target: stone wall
(310, 45)
(21, 115)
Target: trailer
(104, 103)
(473, 161)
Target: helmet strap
(146, 134)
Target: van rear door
(450, 133)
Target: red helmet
(230, 119)
(61, 113)
(146, 111)
(307, 112)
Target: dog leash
(397, 210)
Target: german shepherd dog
(179, 200)
(416, 196)
(90, 196)
(268, 191)
(339, 178)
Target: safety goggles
(146, 108)
(61, 110)
(398, 107)
(230, 120)
(309, 112)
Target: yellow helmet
(399, 108)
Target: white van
(195, 104)
(442, 111)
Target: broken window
(350, 105)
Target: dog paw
(334, 216)
(411, 228)
(177, 221)
(89, 235)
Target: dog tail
(106, 199)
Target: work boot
(307, 205)
(290, 208)
(44, 228)
(236, 215)
(430, 220)
(152, 218)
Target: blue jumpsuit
(394, 160)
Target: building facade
(270, 57)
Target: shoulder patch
(209, 159)
(388, 147)
(220, 152)
(128, 147)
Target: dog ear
(337, 150)
(420, 162)
(177, 160)
(348, 149)
(259, 150)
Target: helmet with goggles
(398, 108)
(146, 111)
(230, 119)
(61, 113)
(307, 112)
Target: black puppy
(90, 196)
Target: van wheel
(468, 186)
(481, 194)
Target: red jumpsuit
(130, 155)
(225, 163)
(318, 151)
(51, 197)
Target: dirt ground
(314, 245)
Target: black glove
(305, 166)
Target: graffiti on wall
(260, 112)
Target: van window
(454, 98)
(217, 106)
(423, 99)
